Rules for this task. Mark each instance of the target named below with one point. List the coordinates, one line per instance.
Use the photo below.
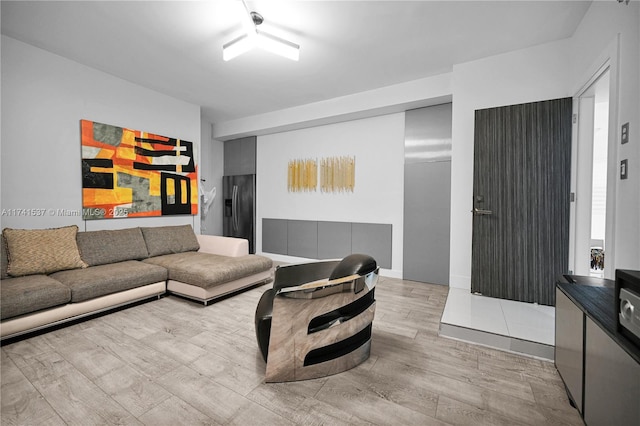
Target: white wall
(212, 168)
(378, 145)
(44, 97)
(550, 71)
(594, 41)
(400, 97)
(528, 75)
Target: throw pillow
(170, 239)
(4, 260)
(42, 251)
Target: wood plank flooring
(175, 362)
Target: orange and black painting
(130, 173)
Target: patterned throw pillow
(42, 251)
(4, 260)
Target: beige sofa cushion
(170, 239)
(42, 251)
(103, 247)
(207, 270)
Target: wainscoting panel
(274, 236)
(327, 240)
(373, 239)
(302, 238)
(334, 240)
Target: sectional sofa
(52, 276)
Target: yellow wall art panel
(338, 174)
(302, 175)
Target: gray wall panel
(240, 156)
(334, 240)
(427, 194)
(373, 239)
(302, 238)
(274, 236)
(427, 222)
(427, 134)
(327, 240)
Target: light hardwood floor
(174, 362)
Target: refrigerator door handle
(234, 207)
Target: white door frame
(609, 60)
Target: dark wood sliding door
(522, 161)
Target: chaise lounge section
(57, 275)
(220, 266)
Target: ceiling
(175, 47)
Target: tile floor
(175, 362)
(515, 326)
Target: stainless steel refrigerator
(239, 207)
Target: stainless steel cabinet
(611, 381)
(570, 346)
(600, 368)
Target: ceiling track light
(257, 38)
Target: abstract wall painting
(130, 173)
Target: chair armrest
(325, 287)
(223, 246)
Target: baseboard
(497, 341)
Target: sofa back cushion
(4, 259)
(42, 251)
(111, 246)
(170, 239)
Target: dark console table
(599, 366)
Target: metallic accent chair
(316, 320)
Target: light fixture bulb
(278, 46)
(238, 46)
(256, 38)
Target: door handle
(235, 207)
(481, 212)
